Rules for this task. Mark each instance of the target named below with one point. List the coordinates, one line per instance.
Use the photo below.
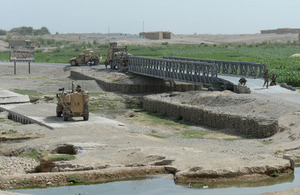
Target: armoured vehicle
(117, 57)
(86, 58)
(72, 103)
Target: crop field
(275, 55)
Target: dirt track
(146, 142)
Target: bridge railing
(247, 69)
(186, 71)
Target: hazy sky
(127, 16)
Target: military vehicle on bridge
(86, 58)
(72, 103)
(117, 57)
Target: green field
(275, 55)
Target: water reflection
(166, 186)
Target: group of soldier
(243, 81)
(267, 77)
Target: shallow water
(166, 186)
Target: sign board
(21, 53)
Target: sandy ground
(137, 141)
(176, 39)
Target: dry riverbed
(147, 143)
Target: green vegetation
(274, 174)
(60, 157)
(25, 181)
(32, 154)
(267, 142)
(275, 55)
(4, 56)
(75, 179)
(30, 93)
(3, 32)
(192, 134)
(2, 120)
(156, 119)
(103, 103)
(28, 30)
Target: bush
(74, 179)
(2, 32)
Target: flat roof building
(157, 35)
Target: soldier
(106, 63)
(266, 78)
(78, 88)
(273, 82)
(243, 81)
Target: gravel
(16, 165)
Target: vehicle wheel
(65, 117)
(73, 63)
(86, 117)
(58, 112)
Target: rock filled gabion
(246, 125)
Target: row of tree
(24, 30)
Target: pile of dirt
(295, 55)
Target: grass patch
(192, 134)
(30, 93)
(2, 120)
(75, 179)
(103, 103)
(274, 174)
(60, 157)
(267, 142)
(32, 154)
(155, 119)
(25, 182)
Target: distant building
(281, 31)
(157, 35)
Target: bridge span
(214, 73)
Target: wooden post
(15, 67)
(29, 67)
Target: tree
(24, 30)
(2, 32)
(42, 31)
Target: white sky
(127, 16)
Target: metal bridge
(192, 70)
(186, 71)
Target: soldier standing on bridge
(266, 77)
